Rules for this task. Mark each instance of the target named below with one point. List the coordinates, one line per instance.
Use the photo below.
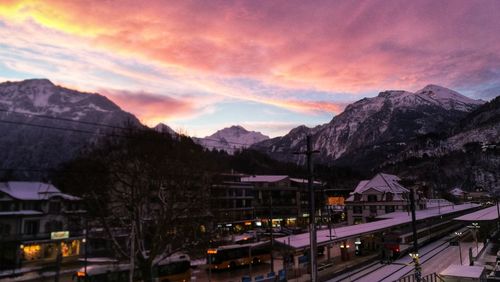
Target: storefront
(46, 251)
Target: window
(389, 209)
(389, 197)
(357, 197)
(4, 229)
(357, 209)
(4, 206)
(54, 207)
(53, 226)
(372, 198)
(31, 227)
(239, 203)
(249, 192)
(373, 209)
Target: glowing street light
(474, 227)
(418, 268)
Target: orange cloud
(151, 108)
(333, 46)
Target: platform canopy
(391, 220)
(487, 214)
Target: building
(36, 222)
(380, 195)
(231, 202)
(283, 199)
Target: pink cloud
(328, 45)
(151, 108)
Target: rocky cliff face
(43, 124)
(392, 118)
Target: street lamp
(418, 268)
(474, 227)
(459, 247)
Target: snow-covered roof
(463, 271)
(490, 213)
(382, 182)
(300, 180)
(264, 178)
(32, 191)
(301, 241)
(24, 212)
(457, 192)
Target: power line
(103, 125)
(62, 119)
(59, 128)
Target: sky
(267, 65)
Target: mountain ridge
(391, 116)
(44, 124)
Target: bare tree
(153, 192)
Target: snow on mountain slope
(30, 110)
(447, 98)
(392, 116)
(231, 139)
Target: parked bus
(176, 268)
(231, 256)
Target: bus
(176, 268)
(231, 256)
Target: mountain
(43, 124)
(163, 128)
(231, 139)
(369, 130)
(468, 156)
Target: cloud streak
(152, 108)
(334, 46)
(296, 55)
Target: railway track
(396, 269)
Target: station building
(378, 196)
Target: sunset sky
(267, 65)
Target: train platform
(300, 242)
(487, 214)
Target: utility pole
(86, 239)
(414, 254)
(498, 213)
(272, 231)
(132, 254)
(312, 210)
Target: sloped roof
(32, 191)
(382, 182)
(264, 178)
(304, 181)
(457, 191)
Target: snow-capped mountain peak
(392, 116)
(447, 98)
(232, 138)
(49, 124)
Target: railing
(433, 277)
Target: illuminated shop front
(47, 251)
